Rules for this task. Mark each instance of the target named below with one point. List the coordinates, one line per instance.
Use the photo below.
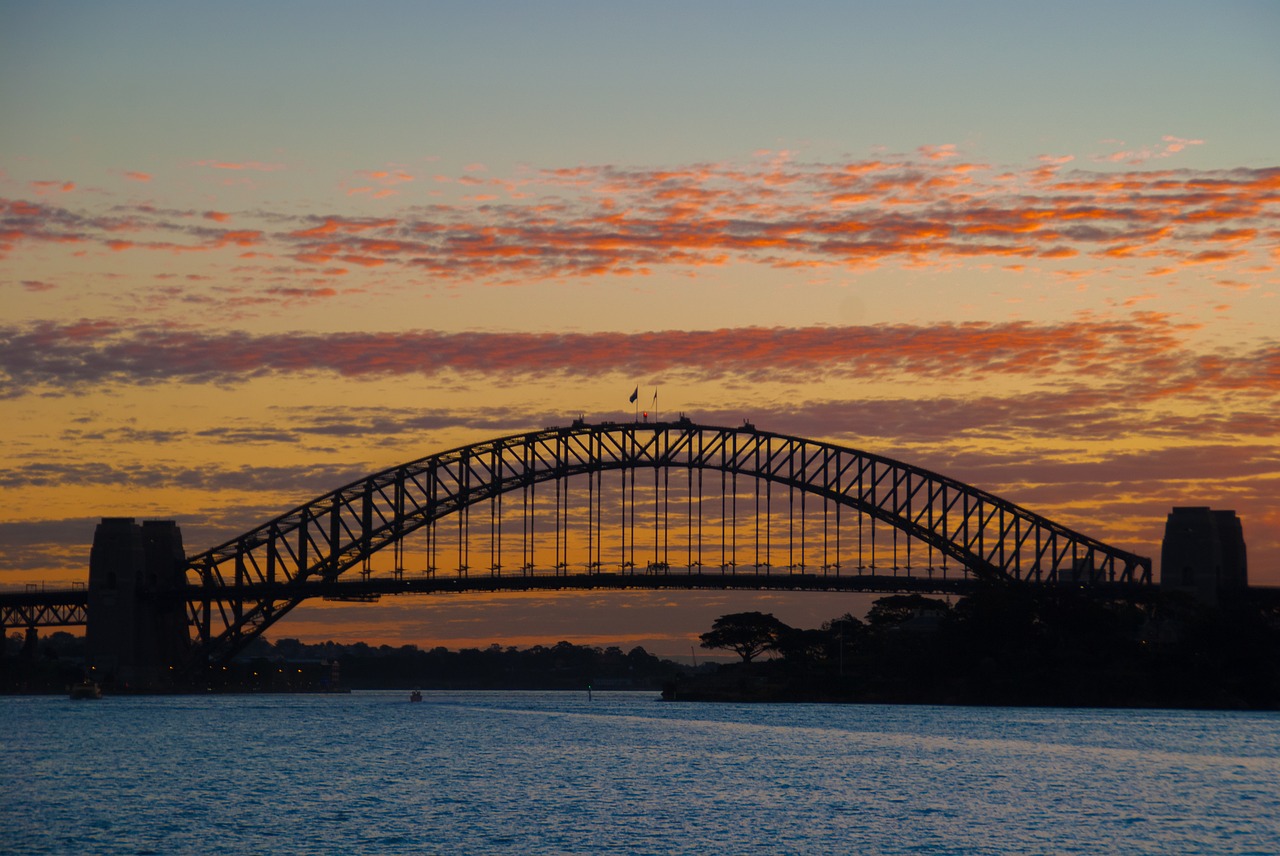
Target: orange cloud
(386, 177)
(240, 238)
(916, 211)
(43, 187)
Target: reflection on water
(623, 773)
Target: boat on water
(416, 695)
(86, 689)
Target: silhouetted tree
(896, 608)
(803, 647)
(747, 634)
(845, 636)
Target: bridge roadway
(41, 607)
(372, 588)
(68, 607)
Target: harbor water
(561, 773)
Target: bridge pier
(1203, 554)
(30, 642)
(136, 631)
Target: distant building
(1203, 553)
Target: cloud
(1170, 146)
(45, 187)
(122, 228)
(253, 166)
(1145, 346)
(930, 210)
(386, 177)
(939, 152)
(138, 176)
(378, 183)
(851, 215)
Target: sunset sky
(250, 252)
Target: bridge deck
(67, 607)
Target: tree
(895, 609)
(803, 647)
(747, 634)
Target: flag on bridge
(634, 395)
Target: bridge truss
(632, 505)
(40, 608)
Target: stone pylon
(137, 626)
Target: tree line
(1006, 645)
(289, 665)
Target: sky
(250, 252)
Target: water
(622, 773)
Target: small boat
(416, 695)
(86, 689)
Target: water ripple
(556, 773)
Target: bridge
(610, 505)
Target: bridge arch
(244, 585)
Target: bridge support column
(30, 642)
(136, 619)
(1203, 553)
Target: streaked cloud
(1147, 346)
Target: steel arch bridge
(489, 501)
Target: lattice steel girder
(322, 539)
(45, 609)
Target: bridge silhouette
(609, 505)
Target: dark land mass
(289, 665)
(1004, 645)
(1017, 646)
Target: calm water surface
(623, 773)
